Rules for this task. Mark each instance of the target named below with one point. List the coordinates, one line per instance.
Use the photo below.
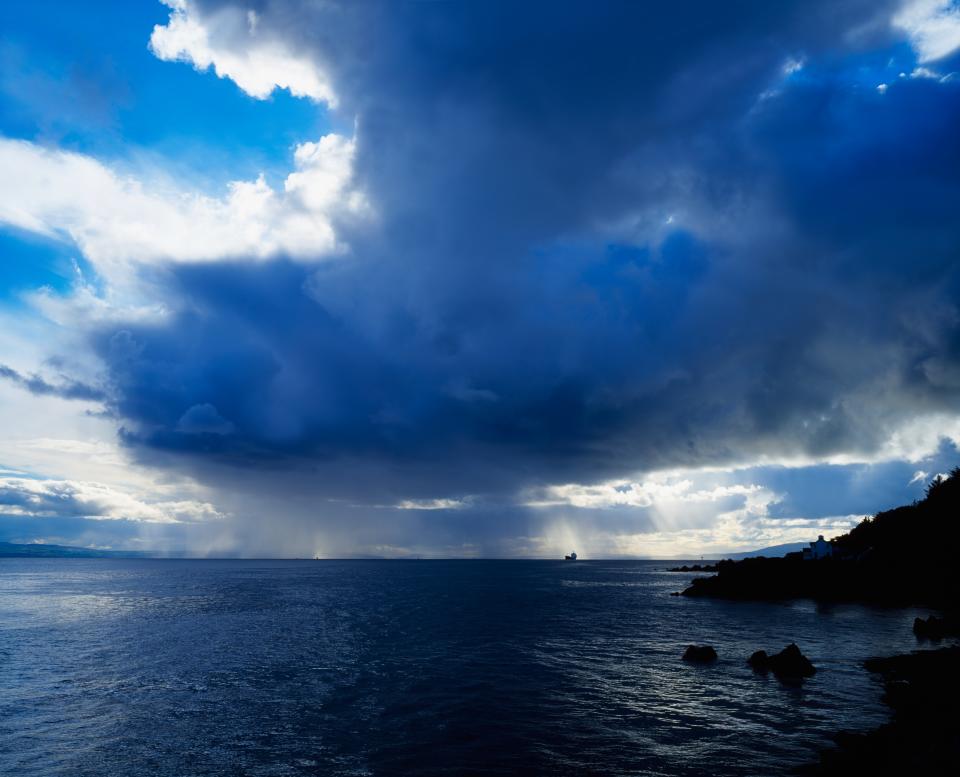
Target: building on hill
(819, 549)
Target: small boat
(571, 557)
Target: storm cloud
(599, 239)
(608, 240)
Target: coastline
(921, 688)
(833, 580)
(898, 558)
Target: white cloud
(933, 27)
(231, 41)
(676, 533)
(92, 449)
(744, 529)
(710, 511)
(322, 171)
(792, 66)
(730, 534)
(648, 493)
(430, 504)
(68, 498)
(86, 305)
(917, 439)
(117, 219)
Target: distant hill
(38, 550)
(902, 556)
(774, 551)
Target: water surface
(164, 667)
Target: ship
(571, 557)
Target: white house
(819, 549)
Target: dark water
(133, 667)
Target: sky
(392, 279)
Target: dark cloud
(524, 311)
(67, 388)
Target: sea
(200, 667)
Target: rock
(931, 628)
(700, 654)
(788, 664)
(898, 693)
(922, 689)
(935, 628)
(791, 663)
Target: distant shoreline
(41, 550)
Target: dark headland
(904, 556)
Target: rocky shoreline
(899, 557)
(923, 737)
(694, 568)
(829, 580)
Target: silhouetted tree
(934, 486)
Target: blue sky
(68, 82)
(287, 278)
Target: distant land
(40, 550)
(774, 551)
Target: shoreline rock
(759, 661)
(700, 654)
(921, 688)
(875, 582)
(788, 664)
(934, 628)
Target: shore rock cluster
(903, 556)
(700, 654)
(789, 663)
(922, 689)
(935, 628)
